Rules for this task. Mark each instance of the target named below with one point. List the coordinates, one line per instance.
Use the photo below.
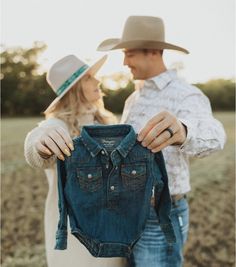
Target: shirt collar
(160, 81)
(88, 132)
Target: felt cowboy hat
(141, 32)
(66, 72)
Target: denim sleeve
(163, 201)
(61, 234)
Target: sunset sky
(205, 27)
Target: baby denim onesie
(105, 188)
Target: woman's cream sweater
(76, 254)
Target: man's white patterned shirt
(204, 133)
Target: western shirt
(205, 134)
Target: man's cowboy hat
(141, 32)
(66, 72)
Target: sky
(205, 27)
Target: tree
(24, 90)
(221, 93)
(114, 100)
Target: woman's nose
(96, 82)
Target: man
(169, 115)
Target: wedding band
(170, 131)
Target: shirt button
(90, 176)
(133, 172)
(107, 166)
(112, 187)
(103, 152)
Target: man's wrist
(184, 132)
(190, 133)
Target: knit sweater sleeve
(31, 155)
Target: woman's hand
(55, 141)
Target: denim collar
(126, 130)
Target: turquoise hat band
(69, 81)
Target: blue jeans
(152, 250)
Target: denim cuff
(61, 240)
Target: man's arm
(155, 135)
(194, 128)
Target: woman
(79, 102)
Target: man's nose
(125, 61)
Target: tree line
(25, 92)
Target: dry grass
(211, 239)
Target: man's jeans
(152, 250)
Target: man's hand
(155, 135)
(55, 141)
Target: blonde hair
(73, 105)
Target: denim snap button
(133, 172)
(112, 187)
(90, 176)
(103, 152)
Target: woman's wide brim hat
(141, 32)
(66, 72)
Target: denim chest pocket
(134, 176)
(90, 178)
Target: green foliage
(220, 92)
(115, 100)
(24, 91)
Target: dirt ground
(212, 228)
(211, 240)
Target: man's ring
(170, 131)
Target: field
(212, 202)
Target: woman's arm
(46, 142)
